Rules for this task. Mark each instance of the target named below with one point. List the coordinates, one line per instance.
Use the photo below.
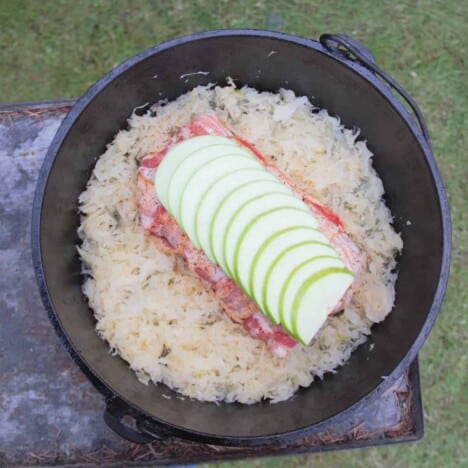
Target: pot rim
(365, 74)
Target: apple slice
(284, 266)
(259, 231)
(315, 299)
(295, 280)
(177, 154)
(205, 176)
(271, 248)
(187, 168)
(253, 211)
(231, 204)
(213, 198)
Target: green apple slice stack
(256, 229)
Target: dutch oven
(336, 73)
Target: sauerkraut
(158, 316)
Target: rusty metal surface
(49, 412)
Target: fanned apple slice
(315, 299)
(202, 178)
(259, 231)
(177, 154)
(295, 280)
(257, 209)
(284, 267)
(188, 167)
(214, 197)
(229, 207)
(278, 242)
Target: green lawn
(56, 49)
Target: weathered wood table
(49, 412)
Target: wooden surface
(49, 412)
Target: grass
(56, 49)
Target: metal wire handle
(332, 43)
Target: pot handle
(341, 44)
(114, 413)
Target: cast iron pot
(336, 73)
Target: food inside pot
(211, 198)
(223, 231)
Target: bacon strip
(164, 229)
